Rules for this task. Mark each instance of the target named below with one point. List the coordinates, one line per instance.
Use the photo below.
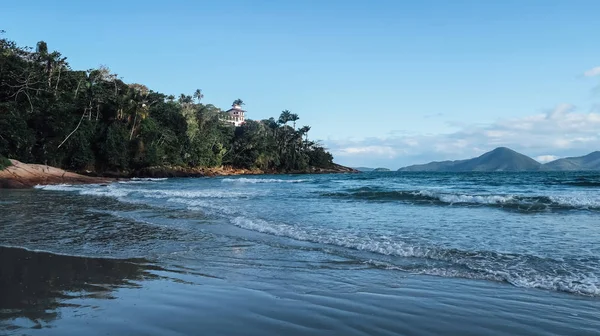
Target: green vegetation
(4, 162)
(52, 114)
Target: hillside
(587, 162)
(499, 159)
(91, 120)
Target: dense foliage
(4, 162)
(92, 120)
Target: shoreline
(25, 176)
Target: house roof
(235, 109)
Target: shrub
(4, 162)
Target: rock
(22, 175)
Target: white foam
(55, 187)
(105, 192)
(260, 180)
(149, 179)
(466, 266)
(458, 198)
(204, 193)
(578, 201)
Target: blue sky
(382, 83)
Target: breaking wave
(120, 191)
(520, 270)
(260, 180)
(516, 202)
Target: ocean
(344, 254)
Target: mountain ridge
(506, 159)
(590, 161)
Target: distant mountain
(587, 162)
(500, 159)
(381, 170)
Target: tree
(293, 118)
(91, 119)
(198, 95)
(284, 117)
(304, 131)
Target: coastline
(24, 175)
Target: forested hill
(92, 120)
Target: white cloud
(367, 150)
(592, 72)
(546, 158)
(563, 131)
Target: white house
(235, 115)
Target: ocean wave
(517, 202)
(260, 180)
(154, 179)
(55, 187)
(204, 193)
(582, 183)
(517, 269)
(120, 191)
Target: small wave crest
(149, 179)
(55, 187)
(260, 180)
(517, 202)
(517, 269)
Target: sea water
(348, 254)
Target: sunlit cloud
(592, 72)
(546, 158)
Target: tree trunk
(76, 128)
(57, 80)
(77, 89)
(133, 126)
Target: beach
(345, 254)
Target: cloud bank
(554, 133)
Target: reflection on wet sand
(33, 285)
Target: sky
(382, 83)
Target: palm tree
(138, 106)
(184, 99)
(304, 130)
(238, 102)
(198, 95)
(294, 117)
(284, 117)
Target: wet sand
(50, 294)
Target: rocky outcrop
(227, 171)
(22, 175)
(335, 169)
